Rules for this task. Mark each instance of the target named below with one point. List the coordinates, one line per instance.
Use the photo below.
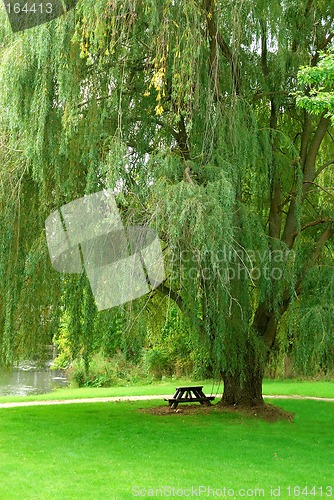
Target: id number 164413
(300, 491)
(34, 8)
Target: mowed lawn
(320, 388)
(113, 450)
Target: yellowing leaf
(159, 110)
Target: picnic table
(190, 394)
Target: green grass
(281, 387)
(91, 392)
(103, 450)
(324, 389)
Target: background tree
(189, 108)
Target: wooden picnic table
(189, 394)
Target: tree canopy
(192, 112)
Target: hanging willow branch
(217, 41)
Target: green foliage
(105, 372)
(319, 80)
(188, 110)
(314, 321)
(158, 363)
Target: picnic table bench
(190, 394)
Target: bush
(104, 372)
(158, 362)
(76, 373)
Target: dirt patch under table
(267, 412)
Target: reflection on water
(22, 382)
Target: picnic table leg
(200, 394)
(177, 395)
(170, 403)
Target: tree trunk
(247, 392)
(245, 388)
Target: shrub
(76, 373)
(158, 362)
(106, 372)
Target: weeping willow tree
(189, 110)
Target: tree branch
(289, 233)
(320, 187)
(217, 39)
(182, 139)
(313, 223)
(264, 319)
(187, 174)
(308, 7)
(326, 235)
(11, 149)
(305, 137)
(261, 95)
(170, 129)
(321, 46)
(264, 49)
(309, 170)
(165, 290)
(325, 165)
(326, 41)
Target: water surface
(27, 381)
